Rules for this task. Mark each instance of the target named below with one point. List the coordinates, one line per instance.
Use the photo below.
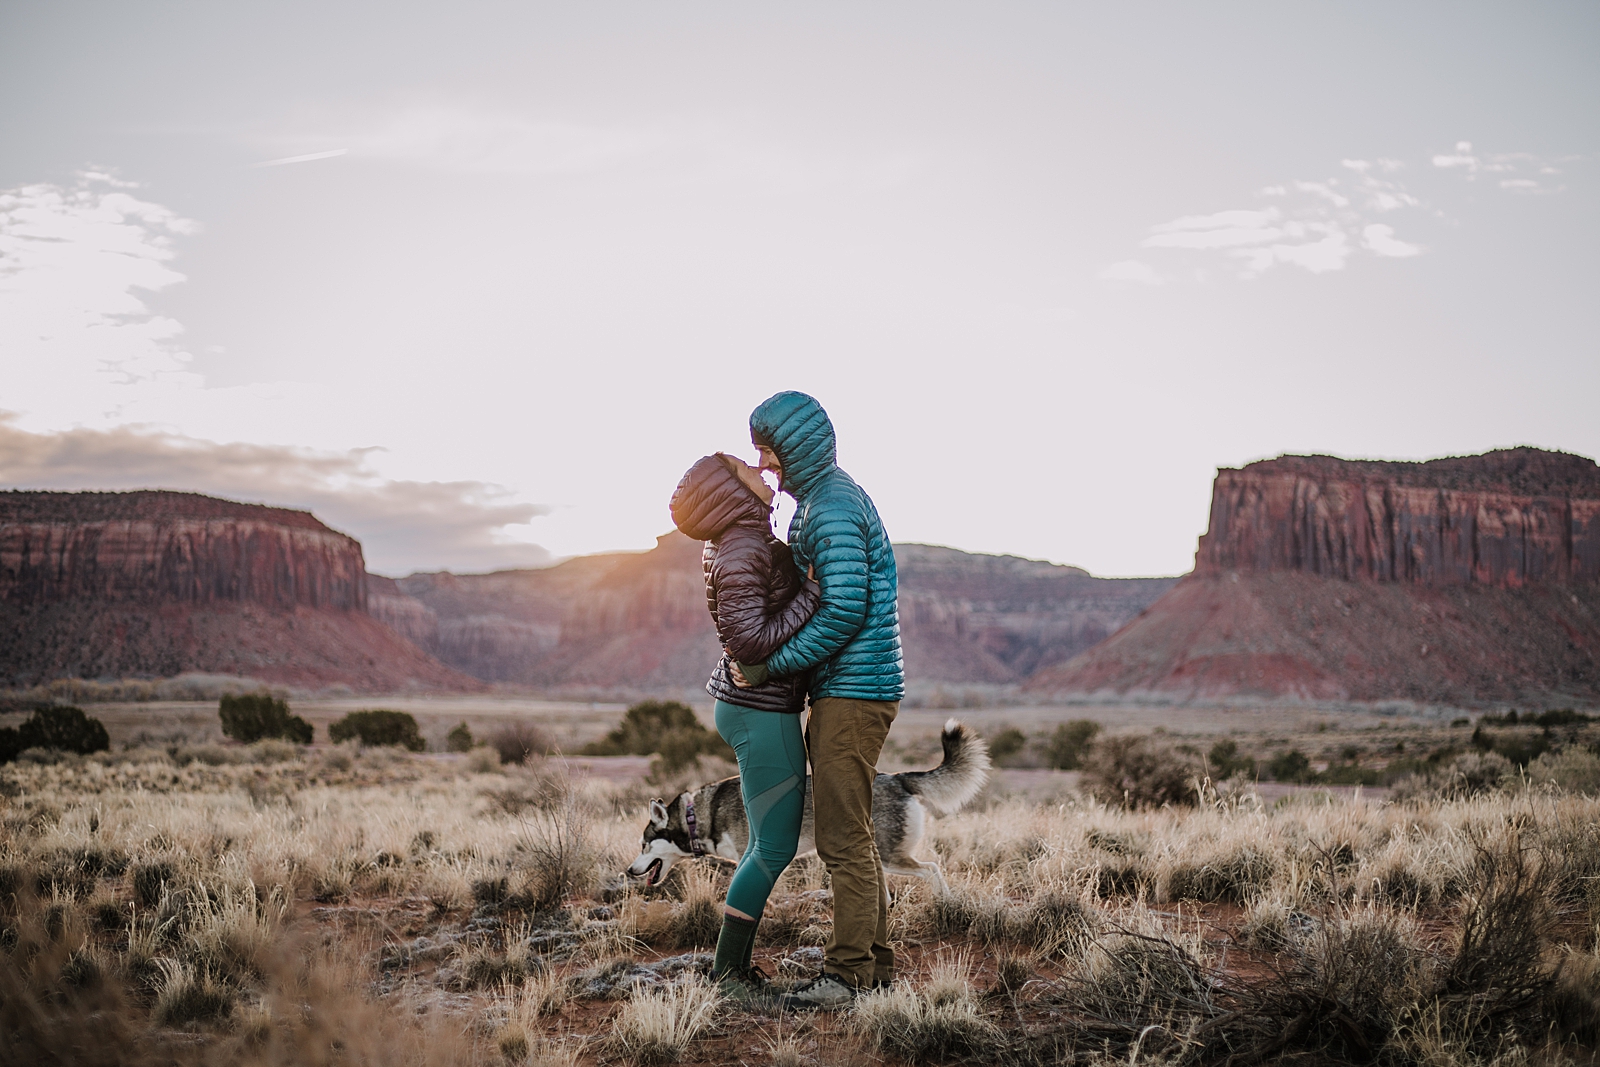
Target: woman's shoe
(743, 986)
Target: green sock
(734, 946)
(750, 945)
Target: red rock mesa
(1471, 580)
(154, 584)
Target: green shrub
(665, 728)
(1553, 717)
(459, 739)
(1290, 766)
(1519, 746)
(379, 727)
(1348, 774)
(251, 717)
(1225, 761)
(1070, 743)
(1006, 744)
(57, 729)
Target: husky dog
(710, 820)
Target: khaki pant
(844, 738)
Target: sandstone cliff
(158, 583)
(976, 618)
(1503, 519)
(1471, 580)
(639, 619)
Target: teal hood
(795, 427)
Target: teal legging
(772, 780)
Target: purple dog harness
(694, 827)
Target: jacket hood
(711, 498)
(795, 427)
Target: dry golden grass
(276, 905)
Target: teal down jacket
(853, 641)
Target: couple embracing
(816, 618)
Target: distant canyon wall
(640, 619)
(1505, 519)
(1467, 581)
(179, 548)
(154, 584)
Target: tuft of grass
(1229, 874)
(938, 1022)
(233, 931)
(149, 881)
(186, 995)
(698, 920)
(658, 1025)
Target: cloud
(79, 341)
(75, 263)
(1262, 238)
(1324, 190)
(1326, 254)
(1380, 240)
(1461, 157)
(1520, 164)
(466, 141)
(1320, 226)
(403, 525)
(307, 158)
(1132, 270)
(1224, 229)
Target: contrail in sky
(301, 159)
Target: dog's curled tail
(956, 780)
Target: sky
(478, 282)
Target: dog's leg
(911, 867)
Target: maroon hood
(711, 498)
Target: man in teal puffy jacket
(851, 647)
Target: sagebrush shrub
(1573, 769)
(1290, 766)
(1006, 744)
(1135, 771)
(379, 726)
(459, 739)
(662, 727)
(56, 728)
(248, 717)
(1066, 748)
(519, 742)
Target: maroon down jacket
(758, 599)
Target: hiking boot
(748, 986)
(826, 992)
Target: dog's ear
(658, 813)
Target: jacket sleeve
(837, 544)
(740, 578)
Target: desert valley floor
(201, 901)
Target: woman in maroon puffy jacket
(757, 600)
